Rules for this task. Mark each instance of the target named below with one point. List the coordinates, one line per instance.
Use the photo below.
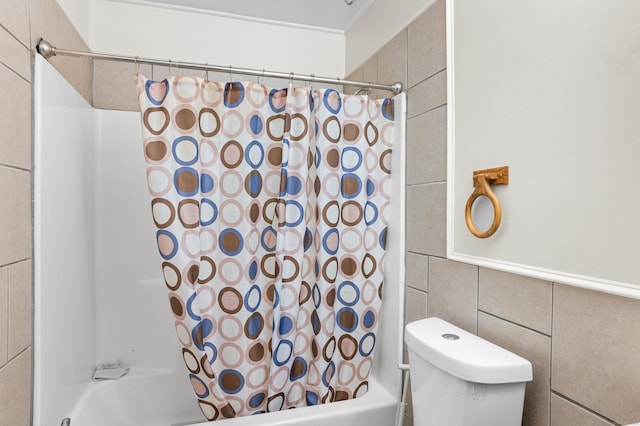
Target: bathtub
(112, 306)
(164, 398)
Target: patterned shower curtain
(271, 209)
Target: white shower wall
(99, 294)
(64, 324)
(133, 323)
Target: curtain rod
(47, 51)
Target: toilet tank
(460, 379)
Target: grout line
(16, 38)
(15, 72)
(10, 166)
(15, 262)
(427, 78)
(427, 111)
(10, 360)
(514, 323)
(573, 401)
(435, 182)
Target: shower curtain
(271, 208)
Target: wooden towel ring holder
(482, 182)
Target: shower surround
(115, 302)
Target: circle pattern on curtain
(271, 208)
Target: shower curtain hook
(137, 65)
(206, 71)
(170, 70)
(230, 76)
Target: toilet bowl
(460, 379)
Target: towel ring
(482, 181)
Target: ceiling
(325, 15)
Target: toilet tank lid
(468, 357)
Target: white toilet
(459, 379)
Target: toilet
(460, 379)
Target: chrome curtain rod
(47, 51)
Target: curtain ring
(137, 65)
(230, 76)
(206, 71)
(170, 70)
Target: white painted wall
(550, 89)
(380, 23)
(79, 13)
(131, 29)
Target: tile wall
(22, 23)
(583, 344)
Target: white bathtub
(99, 295)
(160, 398)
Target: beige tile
(453, 293)
(15, 391)
(407, 421)
(416, 305)
(370, 74)
(15, 55)
(428, 95)
(15, 215)
(566, 413)
(426, 219)
(15, 120)
(417, 271)
(4, 315)
(427, 44)
(596, 342)
(392, 62)
(408, 411)
(20, 307)
(44, 22)
(14, 16)
(48, 21)
(114, 85)
(357, 75)
(525, 301)
(77, 71)
(534, 347)
(427, 147)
